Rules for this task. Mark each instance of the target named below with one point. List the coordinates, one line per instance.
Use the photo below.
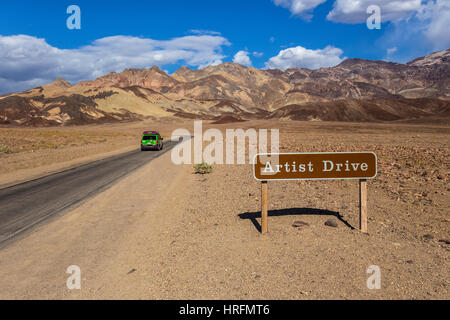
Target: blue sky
(37, 46)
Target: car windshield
(149, 138)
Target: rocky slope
(355, 90)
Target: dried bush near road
(203, 168)
(4, 149)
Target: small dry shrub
(203, 168)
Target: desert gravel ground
(165, 233)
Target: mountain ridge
(230, 89)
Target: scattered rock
(331, 223)
(446, 241)
(299, 224)
(409, 262)
(256, 276)
(428, 236)
(131, 271)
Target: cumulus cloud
(416, 27)
(351, 11)
(413, 27)
(436, 17)
(299, 7)
(299, 57)
(242, 57)
(425, 32)
(29, 61)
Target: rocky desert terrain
(201, 239)
(163, 232)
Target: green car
(151, 140)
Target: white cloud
(435, 17)
(242, 58)
(30, 61)
(299, 57)
(351, 11)
(417, 27)
(205, 32)
(258, 54)
(391, 51)
(299, 7)
(425, 32)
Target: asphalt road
(28, 204)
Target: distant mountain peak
(183, 69)
(357, 61)
(432, 59)
(140, 71)
(355, 90)
(61, 83)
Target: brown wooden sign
(315, 166)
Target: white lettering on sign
(329, 166)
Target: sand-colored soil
(165, 233)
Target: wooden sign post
(363, 205)
(264, 207)
(315, 166)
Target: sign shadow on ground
(254, 216)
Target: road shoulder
(109, 237)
